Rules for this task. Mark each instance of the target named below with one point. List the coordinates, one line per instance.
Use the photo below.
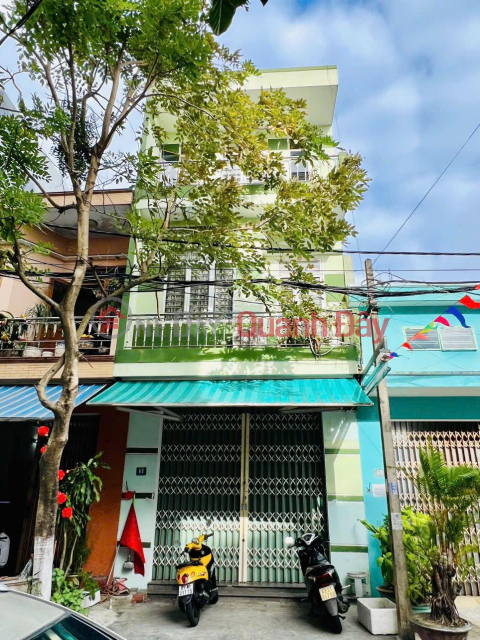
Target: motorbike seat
(190, 563)
(318, 568)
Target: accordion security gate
(460, 444)
(251, 478)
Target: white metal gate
(460, 444)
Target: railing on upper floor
(230, 331)
(43, 337)
(294, 169)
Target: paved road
(230, 619)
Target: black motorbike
(321, 579)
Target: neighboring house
(434, 393)
(30, 339)
(253, 439)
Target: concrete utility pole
(400, 575)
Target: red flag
(131, 539)
(407, 346)
(419, 336)
(442, 320)
(478, 286)
(470, 302)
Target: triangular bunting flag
(459, 316)
(393, 354)
(407, 346)
(442, 320)
(478, 286)
(428, 328)
(419, 336)
(469, 302)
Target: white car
(25, 617)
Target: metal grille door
(199, 490)
(460, 444)
(286, 492)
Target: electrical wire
(429, 190)
(269, 249)
(22, 20)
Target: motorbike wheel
(214, 600)
(336, 624)
(193, 614)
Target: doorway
(251, 478)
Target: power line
(431, 189)
(285, 249)
(22, 20)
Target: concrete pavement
(230, 619)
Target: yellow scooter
(197, 583)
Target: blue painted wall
(418, 317)
(371, 454)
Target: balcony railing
(227, 331)
(293, 170)
(43, 337)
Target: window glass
(457, 339)
(175, 297)
(72, 628)
(171, 152)
(430, 342)
(199, 293)
(223, 297)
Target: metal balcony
(226, 331)
(43, 337)
(293, 170)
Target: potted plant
(418, 549)
(453, 493)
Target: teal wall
(418, 317)
(435, 408)
(348, 537)
(371, 453)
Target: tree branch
(17, 256)
(41, 387)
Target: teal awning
(321, 392)
(20, 402)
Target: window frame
(472, 333)
(212, 289)
(417, 329)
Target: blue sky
(409, 96)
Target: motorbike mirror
(289, 541)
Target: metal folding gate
(251, 478)
(460, 444)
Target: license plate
(185, 589)
(328, 593)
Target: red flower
(67, 513)
(61, 474)
(43, 432)
(61, 497)
(43, 449)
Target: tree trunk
(44, 543)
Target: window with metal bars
(202, 299)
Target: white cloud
(409, 96)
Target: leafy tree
(418, 550)
(95, 62)
(222, 12)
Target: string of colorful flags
(466, 301)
